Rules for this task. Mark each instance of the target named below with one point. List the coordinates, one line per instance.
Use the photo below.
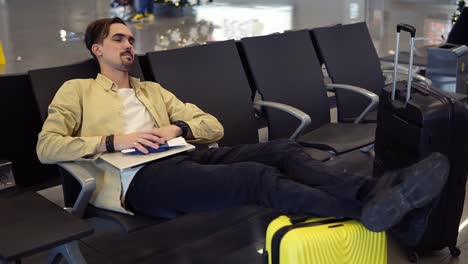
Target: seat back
(285, 69)
(350, 58)
(212, 77)
(142, 70)
(46, 82)
(21, 124)
(458, 34)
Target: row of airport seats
(226, 79)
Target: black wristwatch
(110, 143)
(184, 126)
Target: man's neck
(120, 78)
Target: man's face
(116, 50)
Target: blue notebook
(175, 142)
(135, 151)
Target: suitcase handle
(412, 31)
(407, 28)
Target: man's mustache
(127, 53)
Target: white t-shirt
(137, 118)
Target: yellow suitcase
(323, 241)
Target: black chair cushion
(371, 117)
(317, 154)
(339, 137)
(126, 222)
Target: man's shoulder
(80, 82)
(154, 88)
(77, 84)
(151, 86)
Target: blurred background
(38, 34)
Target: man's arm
(203, 127)
(56, 141)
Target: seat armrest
(88, 185)
(372, 96)
(426, 38)
(416, 76)
(387, 67)
(303, 117)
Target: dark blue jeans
(145, 6)
(277, 174)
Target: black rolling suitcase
(413, 121)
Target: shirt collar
(108, 84)
(135, 83)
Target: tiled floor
(37, 34)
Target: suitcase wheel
(413, 257)
(454, 251)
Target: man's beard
(127, 64)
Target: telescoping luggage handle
(412, 31)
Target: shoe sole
(399, 200)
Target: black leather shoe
(408, 189)
(413, 226)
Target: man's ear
(96, 49)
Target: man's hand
(168, 132)
(152, 138)
(138, 140)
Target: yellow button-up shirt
(84, 110)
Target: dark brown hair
(98, 30)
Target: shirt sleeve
(57, 141)
(205, 127)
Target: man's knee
(253, 172)
(284, 145)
